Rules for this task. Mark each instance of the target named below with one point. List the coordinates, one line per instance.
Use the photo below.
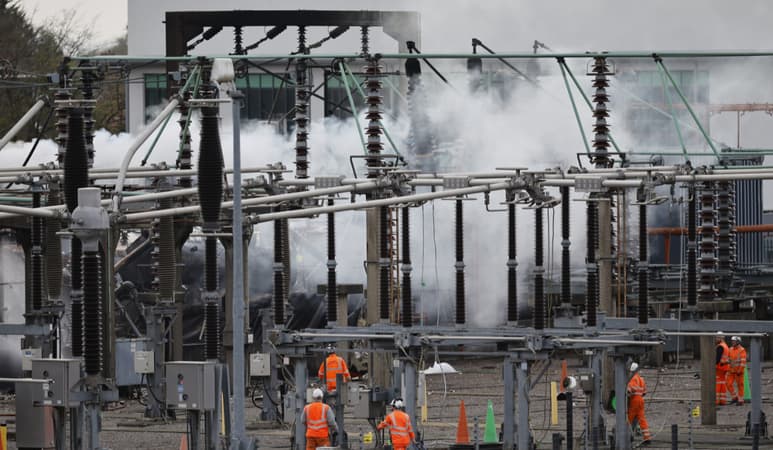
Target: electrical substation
(193, 300)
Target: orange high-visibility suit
(332, 366)
(318, 418)
(636, 391)
(400, 429)
(723, 364)
(737, 357)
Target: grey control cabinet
(190, 385)
(64, 375)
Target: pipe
(136, 217)
(32, 212)
(448, 193)
(144, 135)
(461, 314)
(22, 122)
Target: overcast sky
(509, 24)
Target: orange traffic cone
(184, 442)
(462, 434)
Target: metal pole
(22, 122)
(409, 396)
(508, 438)
(522, 377)
(596, 398)
(194, 419)
(622, 439)
(301, 374)
(237, 431)
(569, 421)
(339, 412)
(755, 383)
(674, 437)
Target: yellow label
(367, 438)
(696, 412)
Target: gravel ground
(672, 393)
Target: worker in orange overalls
(637, 389)
(332, 366)
(723, 365)
(737, 357)
(400, 428)
(319, 419)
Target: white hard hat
(317, 394)
(634, 367)
(735, 338)
(398, 404)
(719, 334)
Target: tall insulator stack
(708, 242)
(539, 282)
(164, 266)
(210, 189)
(302, 94)
(62, 113)
(37, 239)
(92, 312)
(692, 247)
(566, 275)
(643, 309)
(184, 156)
(279, 281)
(461, 303)
(53, 246)
(592, 285)
(407, 311)
(332, 281)
(383, 263)
(87, 90)
(76, 176)
(726, 231)
(394, 256)
(601, 139)
(512, 262)
(373, 131)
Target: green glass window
(266, 97)
(155, 93)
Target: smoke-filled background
(476, 129)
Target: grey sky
(508, 24)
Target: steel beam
(755, 383)
(522, 377)
(20, 329)
(508, 438)
(622, 438)
(301, 375)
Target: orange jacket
(335, 365)
(637, 386)
(399, 428)
(737, 358)
(724, 360)
(316, 416)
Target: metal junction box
(190, 385)
(143, 361)
(34, 425)
(365, 405)
(63, 373)
(260, 365)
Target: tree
(27, 53)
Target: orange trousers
(636, 412)
(737, 380)
(721, 387)
(313, 442)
